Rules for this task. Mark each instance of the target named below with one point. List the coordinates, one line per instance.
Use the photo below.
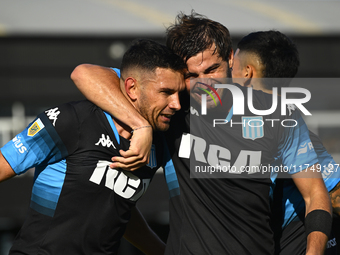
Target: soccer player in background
(79, 205)
(212, 215)
(272, 54)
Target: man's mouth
(166, 117)
(201, 88)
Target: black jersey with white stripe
(213, 211)
(79, 205)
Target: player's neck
(268, 91)
(257, 84)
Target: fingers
(139, 152)
(131, 165)
(129, 154)
(130, 161)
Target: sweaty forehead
(203, 60)
(165, 77)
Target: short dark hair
(148, 55)
(276, 51)
(194, 33)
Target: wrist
(318, 221)
(139, 122)
(141, 127)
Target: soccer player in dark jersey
(272, 54)
(79, 205)
(220, 215)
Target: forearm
(318, 209)
(141, 235)
(100, 85)
(316, 243)
(313, 190)
(317, 240)
(319, 200)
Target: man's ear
(248, 75)
(231, 59)
(130, 85)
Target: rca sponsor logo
(196, 148)
(123, 183)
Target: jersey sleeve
(295, 149)
(329, 168)
(52, 136)
(169, 171)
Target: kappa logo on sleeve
(193, 111)
(52, 114)
(291, 108)
(35, 128)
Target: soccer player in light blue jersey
(272, 54)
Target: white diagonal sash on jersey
(252, 127)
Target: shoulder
(71, 113)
